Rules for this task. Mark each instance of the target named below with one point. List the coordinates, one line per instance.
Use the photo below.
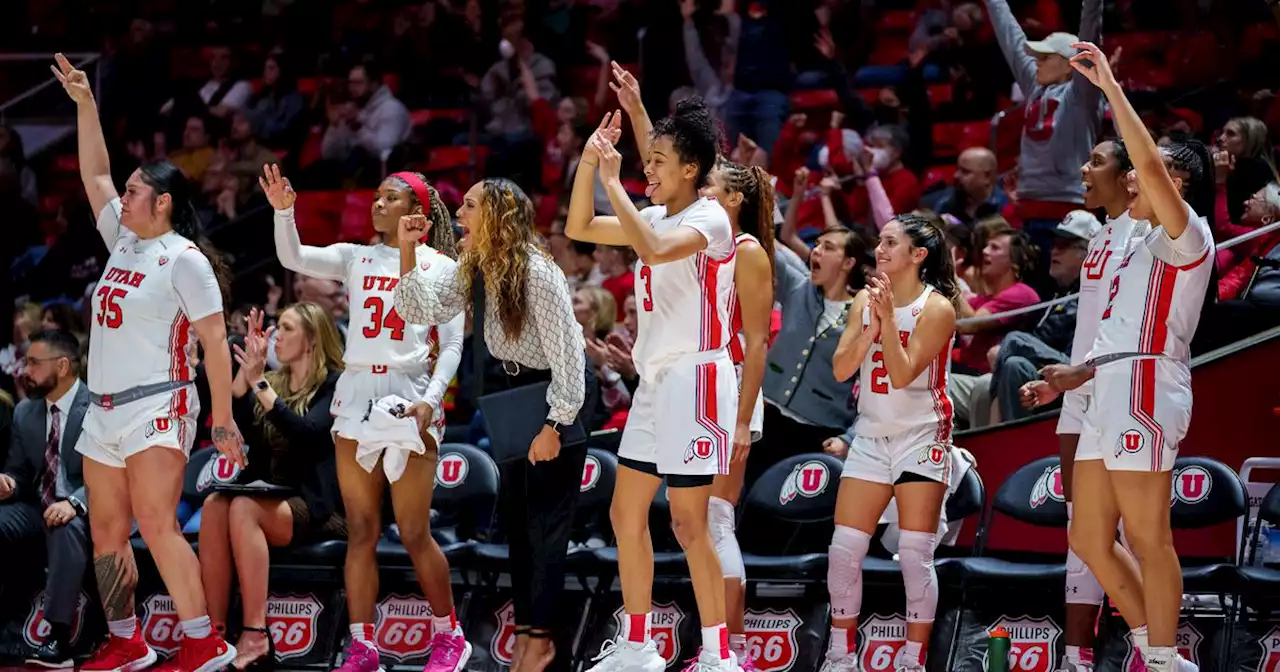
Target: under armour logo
(366, 260)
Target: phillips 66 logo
(882, 637)
(292, 621)
(664, 628)
(1033, 643)
(160, 624)
(1270, 644)
(1048, 487)
(808, 479)
(503, 646)
(1187, 640)
(771, 638)
(403, 630)
(36, 630)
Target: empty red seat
(938, 175)
(897, 21)
(889, 50)
(423, 117)
(939, 94)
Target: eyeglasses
(41, 360)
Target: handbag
(512, 417)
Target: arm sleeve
(450, 339)
(310, 428)
(1187, 250)
(109, 226)
(703, 75)
(197, 285)
(1085, 91)
(328, 263)
(1013, 45)
(713, 224)
(881, 206)
(435, 298)
(789, 271)
(551, 308)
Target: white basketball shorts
(682, 421)
(109, 436)
(886, 459)
(1142, 412)
(757, 414)
(1071, 419)
(359, 387)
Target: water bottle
(998, 650)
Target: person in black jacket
(287, 425)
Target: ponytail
(937, 269)
(756, 215)
(166, 178)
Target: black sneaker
(52, 655)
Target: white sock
(715, 639)
(197, 628)
(444, 624)
(840, 643)
(363, 633)
(124, 628)
(638, 629)
(1139, 637)
(1073, 654)
(738, 645)
(911, 654)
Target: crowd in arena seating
(859, 109)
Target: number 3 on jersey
(109, 314)
(646, 276)
(381, 318)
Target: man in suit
(42, 487)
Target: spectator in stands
(1062, 116)
(1009, 256)
(804, 403)
(1244, 164)
(529, 326)
(616, 265)
(232, 177)
(26, 320)
(74, 260)
(224, 93)
(762, 75)
(976, 193)
(578, 261)
(960, 243)
(196, 154)
(42, 487)
(711, 73)
(1249, 294)
(365, 129)
(276, 110)
(1019, 357)
(594, 309)
(888, 146)
(287, 426)
(11, 149)
(510, 123)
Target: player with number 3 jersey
(385, 356)
(901, 448)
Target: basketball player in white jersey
(746, 193)
(1105, 178)
(902, 438)
(387, 356)
(683, 416)
(159, 297)
(1143, 382)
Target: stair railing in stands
(79, 60)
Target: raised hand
(882, 298)
(411, 230)
(1092, 63)
(73, 81)
(628, 89)
(279, 193)
(610, 158)
(610, 129)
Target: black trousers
(783, 438)
(539, 503)
(67, 550)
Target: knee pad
(1082, 586)
(915, 557)
(721, 523)
(844, 570)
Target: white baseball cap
(1055, 43)
(1079, 224)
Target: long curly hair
(326, 357)
(441, 237)
(501, 249)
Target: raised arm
(434, 295)
(328, 263)
(628, 90)
(582, 223)
(855, 341)
(95, 165)
(1012, 44)
(1090, 31)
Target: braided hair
(926, 232)
(1191, 158)
(756, 215)
(441, 236)
(695, 134)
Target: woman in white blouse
(529, 326)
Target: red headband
(419, 189)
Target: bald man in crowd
(976, 192)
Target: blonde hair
(326, 357)
(605, 307)
(34, 314)
(502, 247)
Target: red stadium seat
(319, 216)
(392, 82)
(814, 100)
(939, 94)
(424, 117)
(308, 86)
(949, 139)
(938, 175)
(897, 21)
(889, 50)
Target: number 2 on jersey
(646, 276)
(109, 314)
(879, 375)
(383, 319)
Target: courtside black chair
(1259, 583)
(1033, 494)
(1206, 493)
(787, 519)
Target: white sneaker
(710, 662)
(622, 656)
(1183, 665)
(846, 663)
(910, 668)
(1068, 666)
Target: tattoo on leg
(117, 575)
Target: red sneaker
(118, 654)
(210, 654)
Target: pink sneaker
(360, 657)
(747, 664)
(449, 652)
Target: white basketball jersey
(377, 336)
(1154, 298)
(737, 342)
(884, 411)
(1106, 250)
(684, 305)
(139, 334)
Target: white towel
(383, 433)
